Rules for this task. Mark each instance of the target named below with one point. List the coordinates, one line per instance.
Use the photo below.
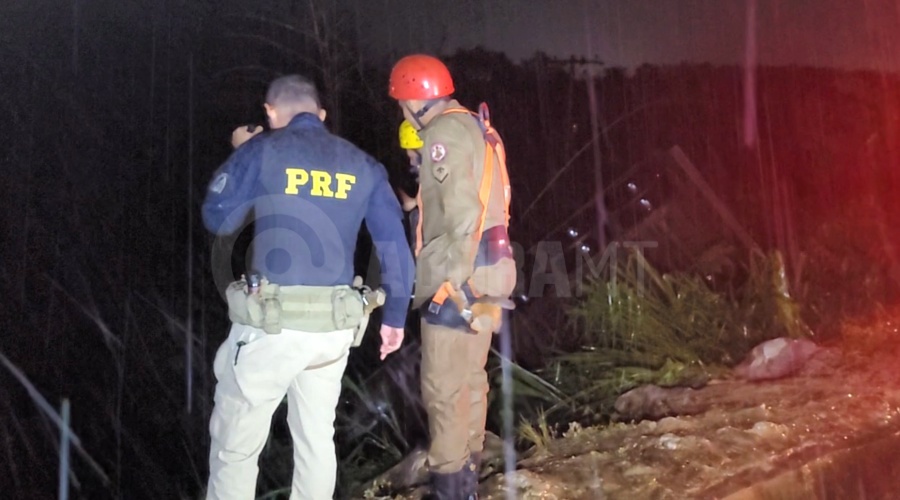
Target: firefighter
(465, 270)
(294, 322)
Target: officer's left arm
(384, 220)
(451, 157)
(230, 193)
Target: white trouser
(252, 382)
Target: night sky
(825, 33)
(840, 33)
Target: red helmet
(420, 77)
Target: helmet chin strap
(417, 115)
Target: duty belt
(256, 302)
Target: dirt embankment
(740, 439)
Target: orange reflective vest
(492, 144)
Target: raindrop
(632, 187)
(573, 233)
(523, 298)
(382, 407)
(585, 249)
(646, 204)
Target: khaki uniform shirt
(449, 181)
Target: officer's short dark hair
(292, 89)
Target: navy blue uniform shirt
(310, 192)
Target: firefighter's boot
(453, 486)
(471, 473)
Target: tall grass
(384, 418)
(642, 326)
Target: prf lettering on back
(320, 183)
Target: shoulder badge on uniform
(219, 183)
(438, 152)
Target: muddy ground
(829, 431)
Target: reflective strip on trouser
(254, 372)
(454, 390)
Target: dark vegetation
(110, 300)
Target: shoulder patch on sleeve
(438, 152)
(218, 184)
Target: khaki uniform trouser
(454, 381)
(454, 390)
(252, 381)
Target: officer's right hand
(243, 134)
(391, 339)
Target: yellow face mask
(409, 137)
